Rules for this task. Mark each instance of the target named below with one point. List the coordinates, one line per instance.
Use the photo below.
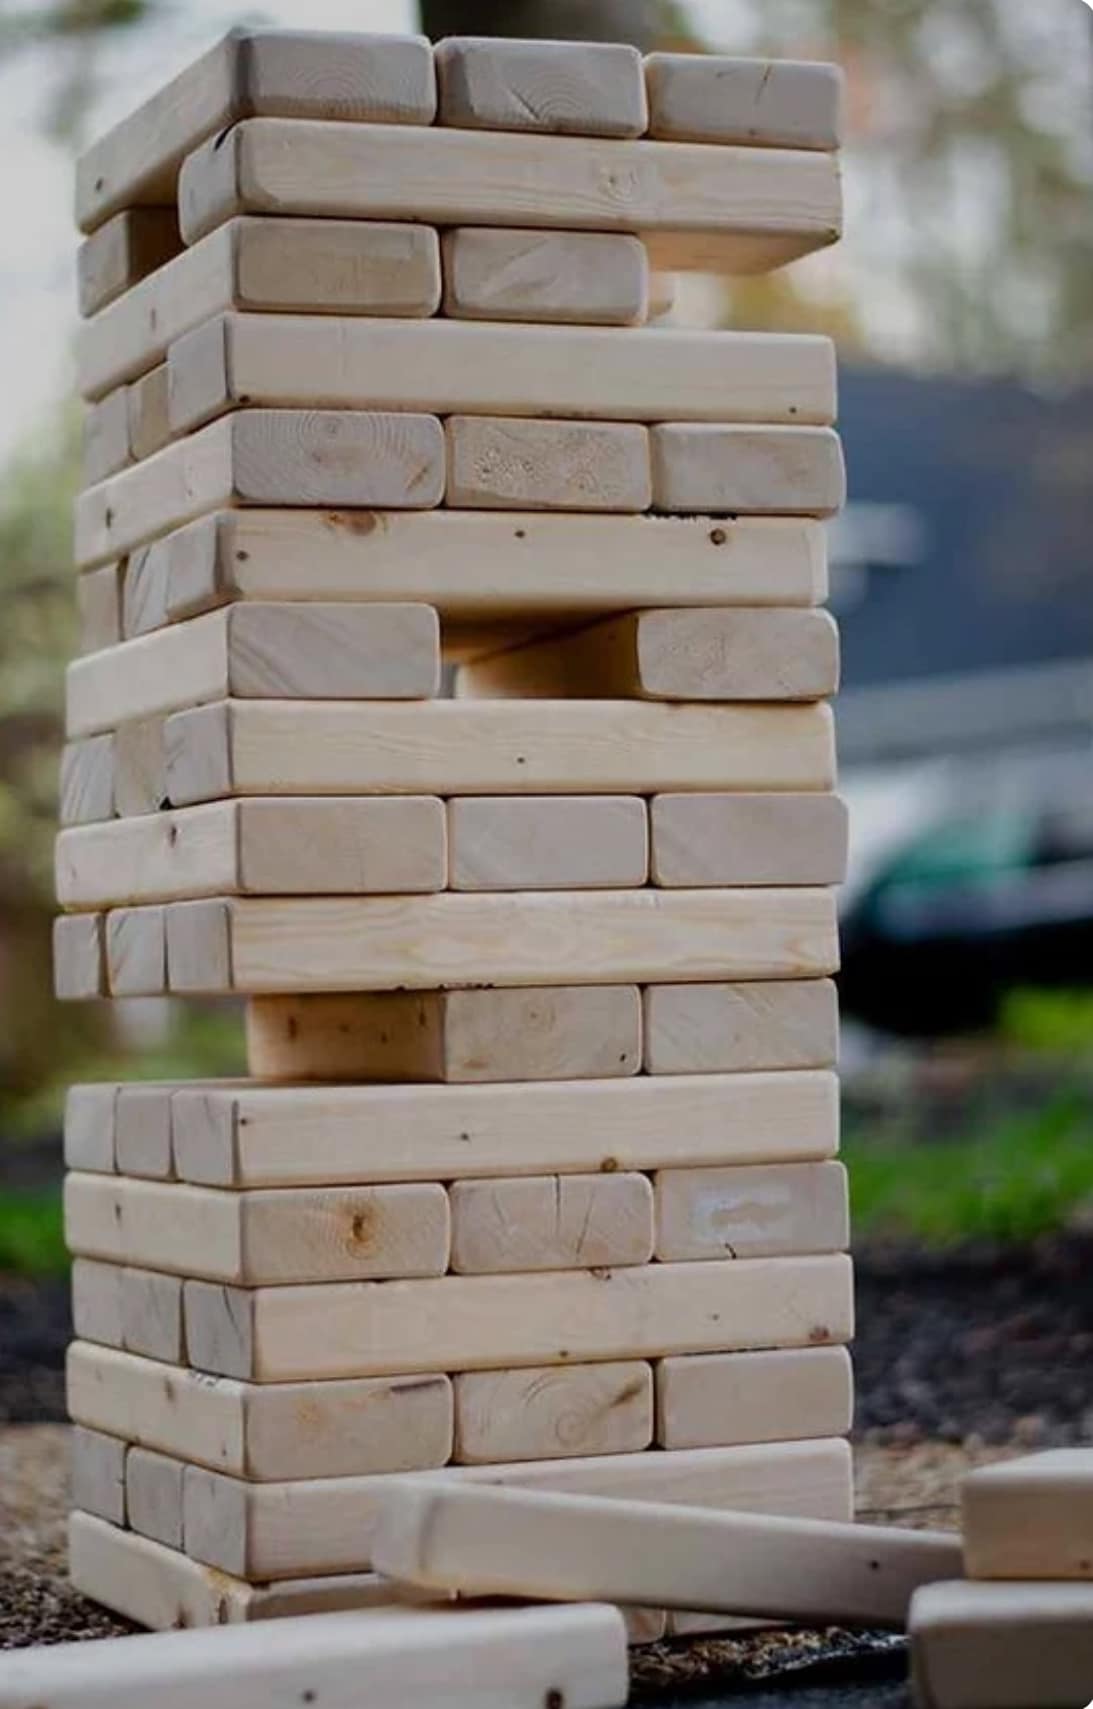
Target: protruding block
(123, 251)
(136, 951)
(1031, 1518)
(551, 1222)
(1001, 1646)
(105, 437)
(548, 842)
(709, 1400)
(496, 463)
(89, 1128)
(757, 1212)
(580, 88)
(98, 602)
(590, 278)
(97, 1473)
(789, 471)
(87, 781)
(553, 1412)
(553, 1033)
(153, 1496)
(146, 402)
(714, 1029)
(79, 956)
(748, 839)
(767, 103)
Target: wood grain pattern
(551, 1222)
(105, 437)
(89, 1127)
(763, 1211)
(586, 278)
(140, 766)
(79, 957)
(151, 1315)
(98, 606)
(748, 839)
(153, 1496)
(122, 251)
(499, 463)
(714, 1029)
(547, 842)
(768, 103)
(87, 781)
(792, 471)
(136, 951)
(564, 88)
(96, 1301)
(97, 1473)
(553, 1412)
(714, 1399)
(142, 1131)
(146, 404)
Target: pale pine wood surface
(772, 103)
(1030, 1518)
(748, 839)
(122, 251)
(751, 1212)
(587, 278)
(576, 88)
(706, 1399)
(761, 1024)
(553, 1412)
(549, 842)
(498, 463)
(560, 1222)
(703, 466)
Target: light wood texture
(145, 601)
(269, 1237)
(670, 655)
(96, 1301)
(328, 1524)
(87, 781)
(499, 463)
(539, 1543)
(561, 1033)
(264, 1431)
(476, 748)
(285, 1136)
(122, 252)
(1001, 1646)
(136, 951)
(288, 652)
(553, 1412)
(153, 1496)
(740, 210)
(793, 471)
(711, 1400)
(1030, 1518)
(589, 278)
(79, 958)
(146, 402)
(298, 74)
(772, 103)
(551, 1222)
(98, 605)
(453, 367)
(313, 266)
(575, 88)
(142, 1131)
(151, 1315)
(140, 767)
(259, 456)
(89, 1127)
(285, 1334)
(761, 1211)
(549, 842)
(105, 437)
(97, 1473)
(748, 839)
(713, 1029)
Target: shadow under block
(288, 652)
(737, 210)
(549, 842)
(347, 267)
(748, 839)
(453, 367)
(266, 1431)
(767, 103)
(1031, 1518)
(550, 1222)
(708, 467)
(297, 74)
(762, 1211)
(290, 1333)
(706, 1400)
(122, 251)
(553, 1412)
(260, 456)
(286, 1136)
(553, 1033)
(1002, 1646)
(475, 747)
(499, 463)
(294, 1235)
(716, 1029)
(588, 278)
(712, 654)
(579, 88)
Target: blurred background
(962, 303)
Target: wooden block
(769, 103)
(539, 1543)
(590, 278)
(146, 402)
(713, 1029)
(136, 951)
(315, 457)
(89, 1128)
(312, 266)
(553, 1412)
(473, 748)
(153, 1496)
(265, 1431)
(551, 1222)
(548, 842)
(298, 74)
(283, 652)
(454, 367)
(79, 963)
(98, 604)
(151, 1316)
(290, 1136)
(562, 1033)
(97, 1473)
(491, 1322)
(1001, 1646)
(1030, 1518)
(140, 766)
(712, 1400)
(142, 1128)
(738, 210)
(294, 1236)
(264, 1530)
(123, 251)
(574, 88)
(145, 594)
(496, 463)
(87, 781)
(670, 655)
(96, 1301)
(105, 437)
(748, 839)
(762, 1211)
(700, 466)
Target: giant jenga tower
(533, 1176)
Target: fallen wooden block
(1031, 1518)
(146, 405)
(714, 654)
(551, 1222)
(553, 1412)
(748, 839)
(87, 781)
(757, 1212)
(299, 74)
(547, 842)
(96, 1466)
(1002, 1646)
(499, 463)
(153, 1496)
(534, 1543)
(771, 103)
(79, 957)
(714, 1029)
(105, 437)
(288, 1334)
(565, 1032)
(456, 367)
(575, 88)
(792, 471)
(708, 1400)
(588, 278)
(123, 251)
(98, 605)
(474, 747)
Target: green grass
(32, 1233)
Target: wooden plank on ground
(97, 1473)
(574, 88)
(758, 1211)
(547, 842)
(511, 463)
(79, 957)
(588, 278)
(708, 467)
(98, 604)
(708, 1400)
(771, 103)
(553, 1412)
(153, 1496)
(714, 1029)
(748, 839)
(1001, 1646)
(551, 1222)
(89, 1127)
(122, 251)
(1030, 1518)
(87, 781)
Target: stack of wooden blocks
(534, 1176)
